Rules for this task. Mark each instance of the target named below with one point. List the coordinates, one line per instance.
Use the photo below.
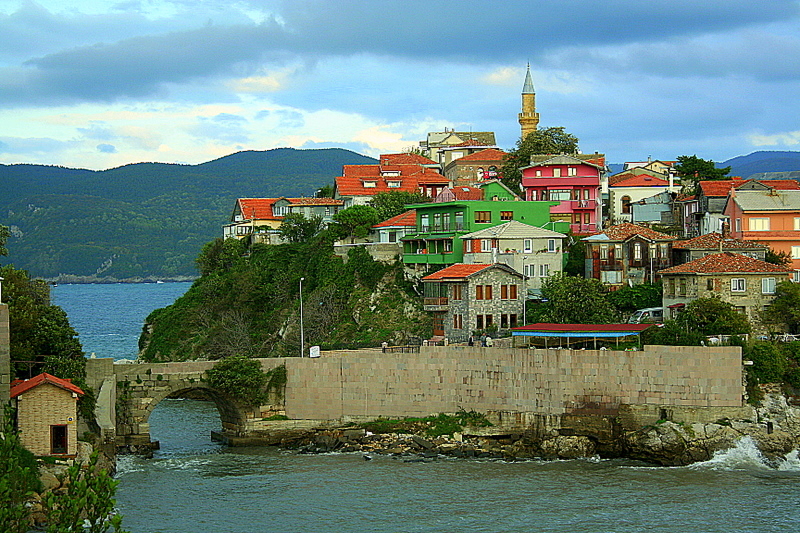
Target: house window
(458, 291)
(504, 292)
(559, 194)
(58, 439)
(483, 217)
(637, 251)
(795, 252)
(797, 223)
(556, 172)
(710, 284)
(626, 205)
(392, 236)
(370, 184)
(572, 171)
(538, 173)
(671, 287)
(424, 222)
(479, 322)
(459, 221)
(551, 246)
(512, 292)
(796, 276)
(437, 222)
(758, 224)
(486, 245)
(512, 320)
(488, 320)
(527, 246)
(506, 215)
(768, 285)
(393, 184)
(587, 218)
(487, 292)
(544, 271)
(738, 285)
(603, 251)
(504, 321)
(682, 287)
(448, 246)
(458, 321)
(738, 224)
(479, 292)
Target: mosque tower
(529, 118)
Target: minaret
(529, 118)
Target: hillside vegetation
(248, 304)
(146, 219)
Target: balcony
(440, 228)
(435, 303)
(577, 205)
(582, 229)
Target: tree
(712, 316)
(239, 377)
(326, 191)
(219, 255)
(574, 300)
(393, 203)
(19, 477)
(785, 308)
(552, 140)
(4, 235)
(295, 227)
(628, 299)
(355, 222)
(694, 169)
(779, 258)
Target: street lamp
(302, 336)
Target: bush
(240, 377)
(769, 362)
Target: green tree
(778, 258)
(576, 257)
(712, 316)
(326, 191)
(4, 235)
(19, 478)
(693, 169)
(574, 300)
(392, 203)
(628, 299)
(295, 227)
(240, 377)
(354, 222)
(769, 362)
(553, 140)
(219, 255)
(784, 311)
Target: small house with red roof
(622, 194)
(395, 228)
(571, 181)
(485, 164)
(746, 283)
(466, 298)
(627, 254)
(47, 414)
(261, 217)
(711, 243)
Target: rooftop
(21, 386)
(725, 263)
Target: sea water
(193, 485)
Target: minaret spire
(529, 118)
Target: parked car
(653, 315)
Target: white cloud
(789, 138)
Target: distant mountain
(145, 219)
(755, 165)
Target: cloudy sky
(101, 83)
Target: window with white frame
(768, 285)
(738, 285)
(527, 246)
(544, 271)
(538, 173)
(486, 245)
(797, 223)
(559, 194)
(572, 171)
(796, 276)
(758, 224)
(795, 252)
(551, 246)
(370, 184)
(393, 184)
(738, 224)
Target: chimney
(726, 231)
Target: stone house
(711, 243)
(476, 167)
(744, 282)
(465, 298)
(47, 415)
(536, 252)
(627, 254)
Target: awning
(582, 331)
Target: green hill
(145, 219)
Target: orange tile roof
(457, 271)
(616, 178)
(257, 208)
(711, 241)
(472, 142)
(20, 386)
(642, 180)
(725, 262)
(314, 201)
(409, 218)
(626, 230)
(351, 182)
(782, 185)
(490, 154)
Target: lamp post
(302, 336)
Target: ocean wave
(745, 455)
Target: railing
(440, 228)
(401, 349)
(442, 300)
(583, 204)
(583, 228)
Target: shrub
(240, 377)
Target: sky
(98, 84)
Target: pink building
(574, 183)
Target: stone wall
(546, 382)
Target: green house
(437, 239)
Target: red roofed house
(711, 198)
(47, 414)
(476, 167)
(627, 253)
(711, 243)
(573, 182)
(395, 228)
(261, 217)
(746, 283)
(469, 141)
(769, 215)
(623, 193)
(359, 183)
(466, 298)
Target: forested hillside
(248, 304)
(145, 219)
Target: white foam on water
(127, 464)
(744, 455)
(791, 463)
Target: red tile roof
(464, 192)
(626, 230)
(711, 241)
(457, 271)
(719, 187)
(257, 208)
(351, 182)
(314, 201)
(20, 386)
(642, 180)
(490, 154)
(405, 159)
(409, 218)
(725, 262)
